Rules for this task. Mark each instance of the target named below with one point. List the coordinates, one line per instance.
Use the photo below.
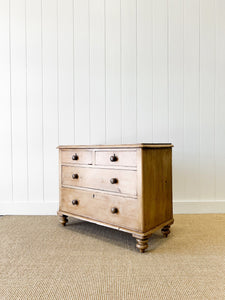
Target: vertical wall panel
(50, 107)
(97, 71)
(160, 72)
(191, 99)
(128, 67)
(111, 71)
(5, 104)
(176, 89)
(207, 99)
(144, 71)
(34, 99)
(220, 100)
(113, 75)
(81, 71)
(65, 69)
(19, 99)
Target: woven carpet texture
(41, 259)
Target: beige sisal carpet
(40, 259)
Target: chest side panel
(156, 186)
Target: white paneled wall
(111, 71)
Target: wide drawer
(115, 210)
(76, 156)
(119, 181)
(116, 158)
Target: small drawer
(113, 180)
(116, 158)
(76, 156)
(116, 210)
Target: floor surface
(41, 259)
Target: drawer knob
(114, 210)
(75, 157)
(75, 176)
(113, 157)
(75, 202)
(113, 180)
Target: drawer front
(114, 210)
(116, 158)
(119, 181)
(76, 156)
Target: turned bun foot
(165, 230)
(142, 244)
(63, 220)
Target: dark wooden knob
(113, 157)
(75, 157)
(75, 176)
(113, 180)
(114, 210)
(75, 202)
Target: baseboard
(21, 208)
(199, 207)
(50, 208)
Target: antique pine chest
(126, 187)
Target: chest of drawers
(126, 187)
